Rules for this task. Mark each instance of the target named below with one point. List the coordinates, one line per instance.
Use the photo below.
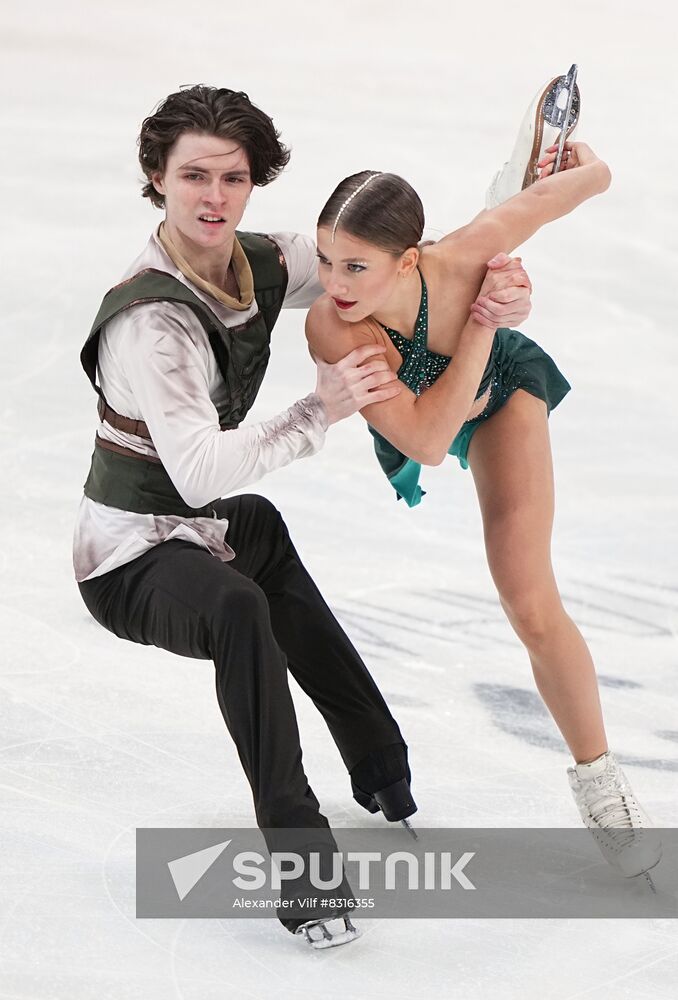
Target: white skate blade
(630, 859)
(567, 91)
(546, 123)
(650, 882)
(319, 936)
(632, 871)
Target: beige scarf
(241, 269)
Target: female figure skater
(483, 395)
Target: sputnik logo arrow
(186, 872)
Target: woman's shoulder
(457, 253)
(452, 269)
(321, 309)
(332, 338)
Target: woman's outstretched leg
(510, 457)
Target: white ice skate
(607, 805)
(551, 118)
(319, 933)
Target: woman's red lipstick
(341, 304)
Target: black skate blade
(410, 829)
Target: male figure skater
(181, 347)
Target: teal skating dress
(515, 362)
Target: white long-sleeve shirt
(155, 364)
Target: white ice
(98, 736)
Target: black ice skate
(386, 771)
(319, 934)
(320, 916)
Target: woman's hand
(355, 381)
(504, 297)
(575, 154)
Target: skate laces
(608, 801)
(619, 826)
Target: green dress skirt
(515, 362)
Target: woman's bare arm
(551, 197)
(423, 427)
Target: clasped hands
(504, 297)
(364, 376)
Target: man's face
(206, 185)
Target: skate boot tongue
(594, 769)
(605, 796)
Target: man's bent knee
(260, 509)
(238, 606)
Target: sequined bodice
(420, 367)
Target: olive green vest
(120, 477)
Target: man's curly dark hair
(217, 111)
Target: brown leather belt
(118, 448)
(126, 424)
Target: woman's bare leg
(510, 458)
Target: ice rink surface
(98, 736)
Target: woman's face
(206, 178)
(359, 278)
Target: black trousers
(254, 617)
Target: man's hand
(504, 297)
(344, 387)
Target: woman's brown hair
(387, 212)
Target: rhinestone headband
(350, 199)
